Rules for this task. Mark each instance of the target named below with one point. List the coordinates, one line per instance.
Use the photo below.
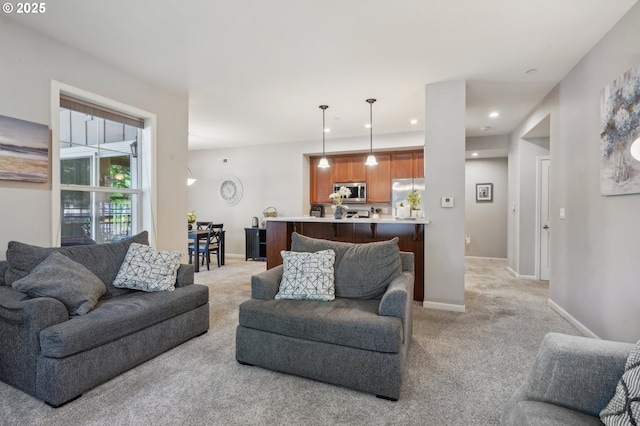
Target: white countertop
(331, 219)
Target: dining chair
(215, 241)
(202, 249)
(202, 225)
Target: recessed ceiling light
(531, 71)
(327, 130)
(474, 154)
(413, 121)
(367, 126)
(494, 114)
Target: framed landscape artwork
(620, 114)
(24, 150)
(484, 192)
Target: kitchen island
(355, 230)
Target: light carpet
(462, 368)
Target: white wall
(30, 62)
(276, 175)
(486, 222)
(444, 176)
(594, 274)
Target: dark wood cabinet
(379, 180)
(407, 164)
(255, 243)
(321, 181)
(349, 168)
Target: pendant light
(191, 179)
(324, 163)
(371, 159)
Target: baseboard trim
(574, 322)
(444, 306)
(521, 277)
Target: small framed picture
(484, 192)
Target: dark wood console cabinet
(255, 243)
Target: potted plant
(191, 219)
(415, 201)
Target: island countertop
(331, 219)
(410, 234)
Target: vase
(339, 212)
(620, 163)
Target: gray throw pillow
(61, 278)
(146, 269)
(624, 407)
(307, 276)
(362, 271)
(103, 260)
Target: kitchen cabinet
(379, 180)
(349, 168)
(321, 181)
(407, 164)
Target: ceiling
(256, 71)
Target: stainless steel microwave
(358, 191)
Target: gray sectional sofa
(55, 356)
(573, 378)
(352, 341)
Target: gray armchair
(356, 343)
(573, 378)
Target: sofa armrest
(265, 285)
(21, 320)
(185, 275)
(394, 300)
(576, 372)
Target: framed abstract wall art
(24, 150)
(620, 114)
(484, 192)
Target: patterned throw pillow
(146, 269)
(624, 407)
(307, 276)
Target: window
(100, 182)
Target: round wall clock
(230, 190)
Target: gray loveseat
(56, 357)
(360, 343)
(573, 378)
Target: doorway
(543, 218)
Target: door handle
(545, 227)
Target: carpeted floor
(462, 368)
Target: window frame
(147, 162)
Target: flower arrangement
(191, 216)
(339, 195)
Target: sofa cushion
(65, 280)
(307, 276)
(624, 407)
(146, 269)
(345, 322)
(117, 317)
(103, 260)
(362, 271)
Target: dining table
(195, 235)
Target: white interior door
(544, 215)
